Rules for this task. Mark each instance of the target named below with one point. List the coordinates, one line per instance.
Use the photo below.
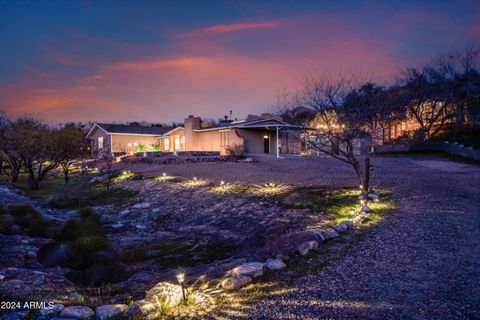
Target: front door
(266, 143)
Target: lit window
(177, 142)
(100, 142)
(166, 144)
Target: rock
(366, 209)
(140, 309)
(52, 312)
(330, 234)
(304, 247)
(98, 179)
(124, 212)
(165, 293)
(373, 195)
(341, 227)
(109, 311)
(282, 257)
(235, 282)
(251, 269)
(77, 312)
(141, 205)
(156, 210)
(275, 264)
(117, 225)
(140, 226)
(248, 160)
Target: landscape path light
(181, 279)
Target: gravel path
(423, 262)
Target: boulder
(366, 209)
(275, 264)
(77, 312)
(140, 309)
(343, 226)
(165, 293)
(235, 282)
(109, 311)
(330, 234)
(141, 205)
(251, 269)
(305, 247)
(51, 312)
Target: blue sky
(163, 60)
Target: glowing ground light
(222, 183)
(352, 212)
(164, 174)
(181, 279)
(194, 178)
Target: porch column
(278, 146)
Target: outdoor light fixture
(222, 183)
(352, 212)
(124, 172)
(361, 186)
(271, 184)
(195, 178)
(164, 174)
(181, 279)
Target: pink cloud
(232, 27)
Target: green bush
(2, 210)
(6, 222)
(83, 249)
(20, 210)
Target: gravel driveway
(423, 262)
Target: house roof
(261, 123)
(129, 129)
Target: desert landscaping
(242, 233)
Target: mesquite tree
(70, 146)
(345, 117)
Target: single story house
(261, 136)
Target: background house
(260, 136)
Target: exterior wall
(94, 141)
(127, 143)
(171, 138)
(290, 142)
(212, 141)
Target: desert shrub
(70, 195)
(77, 228)
(2, 210)
(6, 222)
(156, 147)
(83, 249)
(20, 210)
(37, 225)
(88, 213)
(140, 148)
(26, 216)
(235, 151)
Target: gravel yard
(422, 262)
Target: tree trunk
(65, 174)
(14, 172)
(366, 187)
(32, 182)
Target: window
(166, 144)
(177, 142)
(100, 142)
(224, 138)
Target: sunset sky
(162, 60)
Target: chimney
(191, 123)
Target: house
(260, 136)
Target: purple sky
(162, 60)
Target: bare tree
(343, 118)
(8, 151)
(70, 146)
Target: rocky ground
(422, 262)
